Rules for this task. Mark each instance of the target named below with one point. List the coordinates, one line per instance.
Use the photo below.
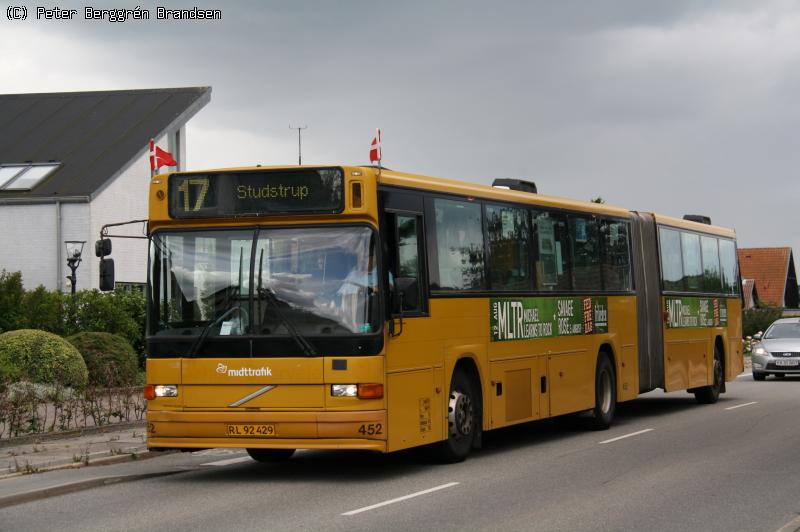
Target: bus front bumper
(364, 430)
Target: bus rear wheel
(463, 415)
(605, 394)
(707, 395)
(270, 455)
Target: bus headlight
(166, 390)
(344, 390)
(362, 391)
(160, 390)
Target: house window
(130, 287)
(24, 176)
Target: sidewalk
(53, 451)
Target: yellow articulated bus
(359, 308)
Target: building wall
(30, 240)
(31, 244)
(123, 200)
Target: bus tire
(270, 456)
(463, 413)
(605, 393)
(708, 395)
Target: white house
(73, 162)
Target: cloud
(681, 106)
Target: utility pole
(299, 144)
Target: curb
(72, 487)
(49, 436)
(139, 453)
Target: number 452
(370, 429)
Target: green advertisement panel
(685, 312)
(525, 318)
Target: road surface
(667, 463)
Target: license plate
(786, 362)
(251, 431)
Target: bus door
(414, 365)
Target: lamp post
(299, 146)
(74, 252)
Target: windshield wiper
(229, 308)
(207, 329)
(272, 299)
(304, 344)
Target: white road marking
(229, 461)
(403, 498)
(791, 526)
(626, 436)
(740, 406)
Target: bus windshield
(277, 282)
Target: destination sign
(256, 193)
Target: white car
(778, 350)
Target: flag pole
(380, 153)
(152, 159)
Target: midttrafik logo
(222, 369)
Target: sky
(674, 107)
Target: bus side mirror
(102, 247)
(106, 274)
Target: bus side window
(671, 261)
(405, 269)
(692, 263)
(585, 253)
(728, 263)
(507, 233)
(616, 255)
(551, 248)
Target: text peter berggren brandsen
(124, 15)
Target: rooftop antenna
(299, 144)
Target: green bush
(10, 300)
(41, 357)
(43, 310)
(116, 313)
(110, 359)
(134, 304)
(758, 319)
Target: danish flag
(375, 149)
(159, 157)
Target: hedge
(758, 319)
(120, 312)
(11, 294)
(41, 357)
(110, 359)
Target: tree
(11, 294)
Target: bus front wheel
(462, 419)
(605, 393)
(270, 455)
